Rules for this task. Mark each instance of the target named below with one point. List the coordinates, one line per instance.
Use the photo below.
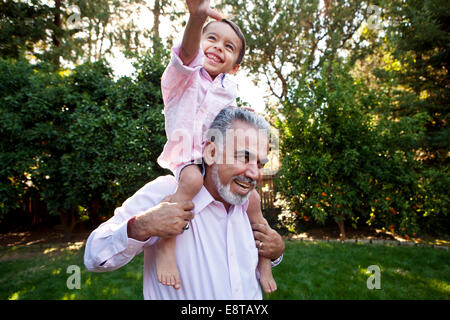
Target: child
(194, 90)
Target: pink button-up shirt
(216, 256)
(191, 102)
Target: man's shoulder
(163, 183)
(154, 191)
(149, 195)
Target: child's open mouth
(214, 57)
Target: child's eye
(211, 38)
(230, 47)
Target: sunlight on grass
(14, 296)
(19, 294)
(67, 296)
(308, 271)
(56, 271)
(439, 285)
(48, 250)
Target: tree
(289, 41)
(347, 155)
(340, 163)
(62, 32)
(419, 44)
(79, 140)
(23, 26)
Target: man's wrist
(133, 230)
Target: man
(216, 254)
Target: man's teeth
(242, 184)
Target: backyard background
(358, 92)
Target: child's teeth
(213, 58)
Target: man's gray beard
(224, 191)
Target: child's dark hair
(239, 33)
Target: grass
(338, 271)
(309, 271)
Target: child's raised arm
(199, 11)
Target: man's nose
(253, 172)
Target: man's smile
(244, 184)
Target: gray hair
(224, 121)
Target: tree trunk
(341, 230)
(68, 221)
(156, 22)
(56, 33)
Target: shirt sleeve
(109, 247)
(277, 261)
(177, 75)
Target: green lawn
(309, 271)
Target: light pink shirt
(191, 102)
(216, 256)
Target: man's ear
(210, 153)
(235, 69)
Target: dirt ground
(54, 235)
(42, 236)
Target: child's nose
(218, 46)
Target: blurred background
(358, 92)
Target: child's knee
(191, 177)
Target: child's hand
(202, 9)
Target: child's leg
(190, 183)
(254, 213)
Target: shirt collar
(204, 198)
(220, 77)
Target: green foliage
(420, 45)
(288, 40)
(72, 31)
(358, 111)
(78, 138)
(308, 271)
(342, 161)
(28, 27)
(339, 162)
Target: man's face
(239, 166)
(221, 46)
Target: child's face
(221, 47)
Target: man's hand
(272, 244)
(164, 220)
(202, 9)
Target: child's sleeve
(177, 75)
